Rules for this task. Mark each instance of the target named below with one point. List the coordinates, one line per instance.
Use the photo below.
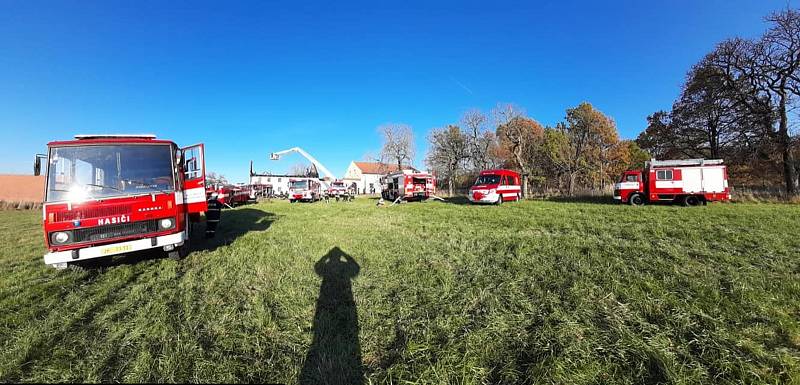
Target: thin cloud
(465, 88)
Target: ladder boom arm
(324, 170)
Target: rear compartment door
(692, 180)
(713, 179)
(194, 178)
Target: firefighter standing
(212, 216)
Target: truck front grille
(100, 233)
(92, 212)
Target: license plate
(115, 249)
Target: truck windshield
(298, 184)
(78, 173)
(630, 178)
(488, 179)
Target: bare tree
(503, 113)
(448, 152)
(215, 178)
(298, 169)
(398, 143)
(480, 139)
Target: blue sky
(249, 78)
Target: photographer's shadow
(335, 353)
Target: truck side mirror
(37, 164)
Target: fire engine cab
(690, 182)
(408, 185)
(113, 194)
(496, 186)
(337, 189)
(304, 190)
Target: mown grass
(531, 292)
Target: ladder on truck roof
(684, 162)
(114, 136)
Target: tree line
(736, 104)
(582, 152)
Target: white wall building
(366, 175)
(279, 183)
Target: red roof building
(366, 175)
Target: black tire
(518, 198)
(179, 252)
(499, 199)
(691, 200)
(636, 200)
(182, 251)
(175, 255)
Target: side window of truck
(632, 178)
(664, 175)
(193, 162)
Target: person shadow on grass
(335, 353)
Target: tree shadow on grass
(457, 200)
(335, 353)
(233, 224)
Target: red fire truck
(496, 186)
(230, 195)
(408, 185)
(304, 190)
(113, 194)
(690, 181)
(337, 189)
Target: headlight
(60, 237)
(166, 223)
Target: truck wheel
(636, 200)
(179, 252)
(691, 200)
(499, 199)
(174, 255)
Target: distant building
(366, 175)
(279, 183)
(276, 183)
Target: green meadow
(540, 292)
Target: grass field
(530, 292)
